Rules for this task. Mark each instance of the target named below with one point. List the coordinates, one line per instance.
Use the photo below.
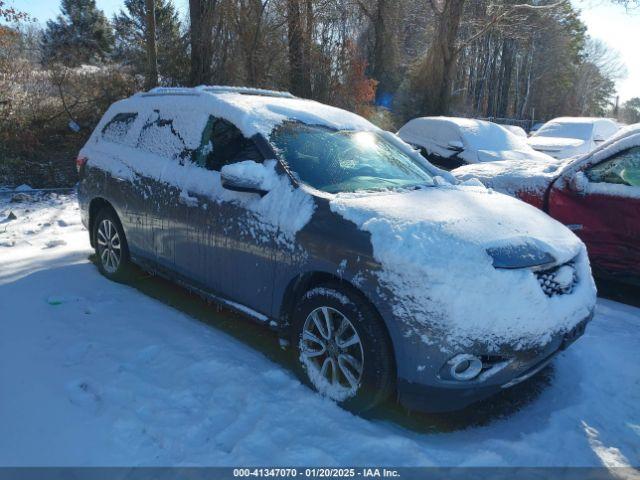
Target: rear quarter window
(159, 136)
(118, 127)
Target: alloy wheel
(109, 246)
(331, 351)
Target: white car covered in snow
(386, 278)
(566, 137)
(450, 142)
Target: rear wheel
(111, 245)
(342, 348)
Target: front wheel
(342, 347)
(111, 246)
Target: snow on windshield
(339, 161)
(578, 130)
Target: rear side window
(117, 128)
(223, 144)
(159, 136)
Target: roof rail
(244, 91)
(160, 91)
(214, 89)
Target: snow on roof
(580, 119)
(253, 111)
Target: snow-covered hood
(471, 217)
(555, 144)
(513, 177)
(432, 245)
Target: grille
(558, 280)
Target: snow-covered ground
(97, 373)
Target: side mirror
(578, 182)
(248, 177)
(456, 146)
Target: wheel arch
(304, 282)
(97, 204)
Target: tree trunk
(508, 54)
(437, 70)
(202, 19)
(152, 49)
(299, 76)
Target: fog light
(465, 367)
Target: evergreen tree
(130, 45)
(80, 35)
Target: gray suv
(385, 276)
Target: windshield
(346, 161)
(580, 131)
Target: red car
(596, 195)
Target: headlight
(519, 256)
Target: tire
(375, 380)
(112, 253)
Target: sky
(605, 21)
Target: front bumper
(447, 396)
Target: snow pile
(432, 247)
(95, 373)
(37, 230)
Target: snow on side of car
(437, 237)
(285, 206)
(100, 374)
